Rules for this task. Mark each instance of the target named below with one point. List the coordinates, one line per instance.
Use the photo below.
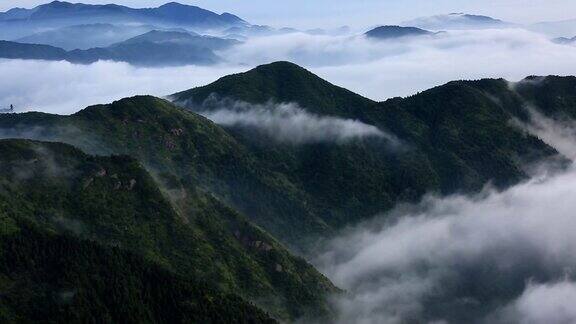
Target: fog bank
(496, 257)
(376, 69)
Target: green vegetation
(552, 95)
(198, 200)
(282, 82)
(455, 138)
(114, 202)
(59, 279)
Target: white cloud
(542, 304)
(438, 255)
(62, 87)
(463, 259)
(378, 70)
(289, 123)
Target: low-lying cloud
(378, 70)
(497, 257)
(542, 303)
(457, 259)
(64, 88)
(289, 123)
(384, 69)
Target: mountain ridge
(406, 118)
(172, 12)
(252, 270)
(395, 32)
(457, 21)
(222, 188)
(154, 48)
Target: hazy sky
(357, 13)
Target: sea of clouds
(496, 257)
(376, 69)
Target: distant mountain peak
(172, 14)
(394, 31)
(172, 4)
(565, 40)
(457, 20)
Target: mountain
(148, 54)
(283, 82)
(65, 257)
(252, 31)
(181, 38)
(457, 21)
(368, 157)
(191, 232)
(13, 50)
(86, 36)
(18, 23)
(172, 13)
(393, 32)
(289, 159)
(461, 128)
(155, 48)
(565, 40)
(553, 95)
(555, 29)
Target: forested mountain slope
(454, 138)
(116, 203)
(191, 208)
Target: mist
(402, 67)
(289, 123)
(65, 88)
(375, 69)
(495, 257)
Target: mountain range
(214, 194)
(565, 40)
(87, 36)
(18, 22)
(457, 21)
(555, 28)
(154, 48)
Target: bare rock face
(131, 184)
(177, 131)
(101, 173)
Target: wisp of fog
(289, 123)
(497, 257)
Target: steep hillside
(282, 82)
(553, 95)
(114, 202)
(454, 138)
(58, 278)
(172, 142)
(466, 131)
(353, 158)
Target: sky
(357, 13)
